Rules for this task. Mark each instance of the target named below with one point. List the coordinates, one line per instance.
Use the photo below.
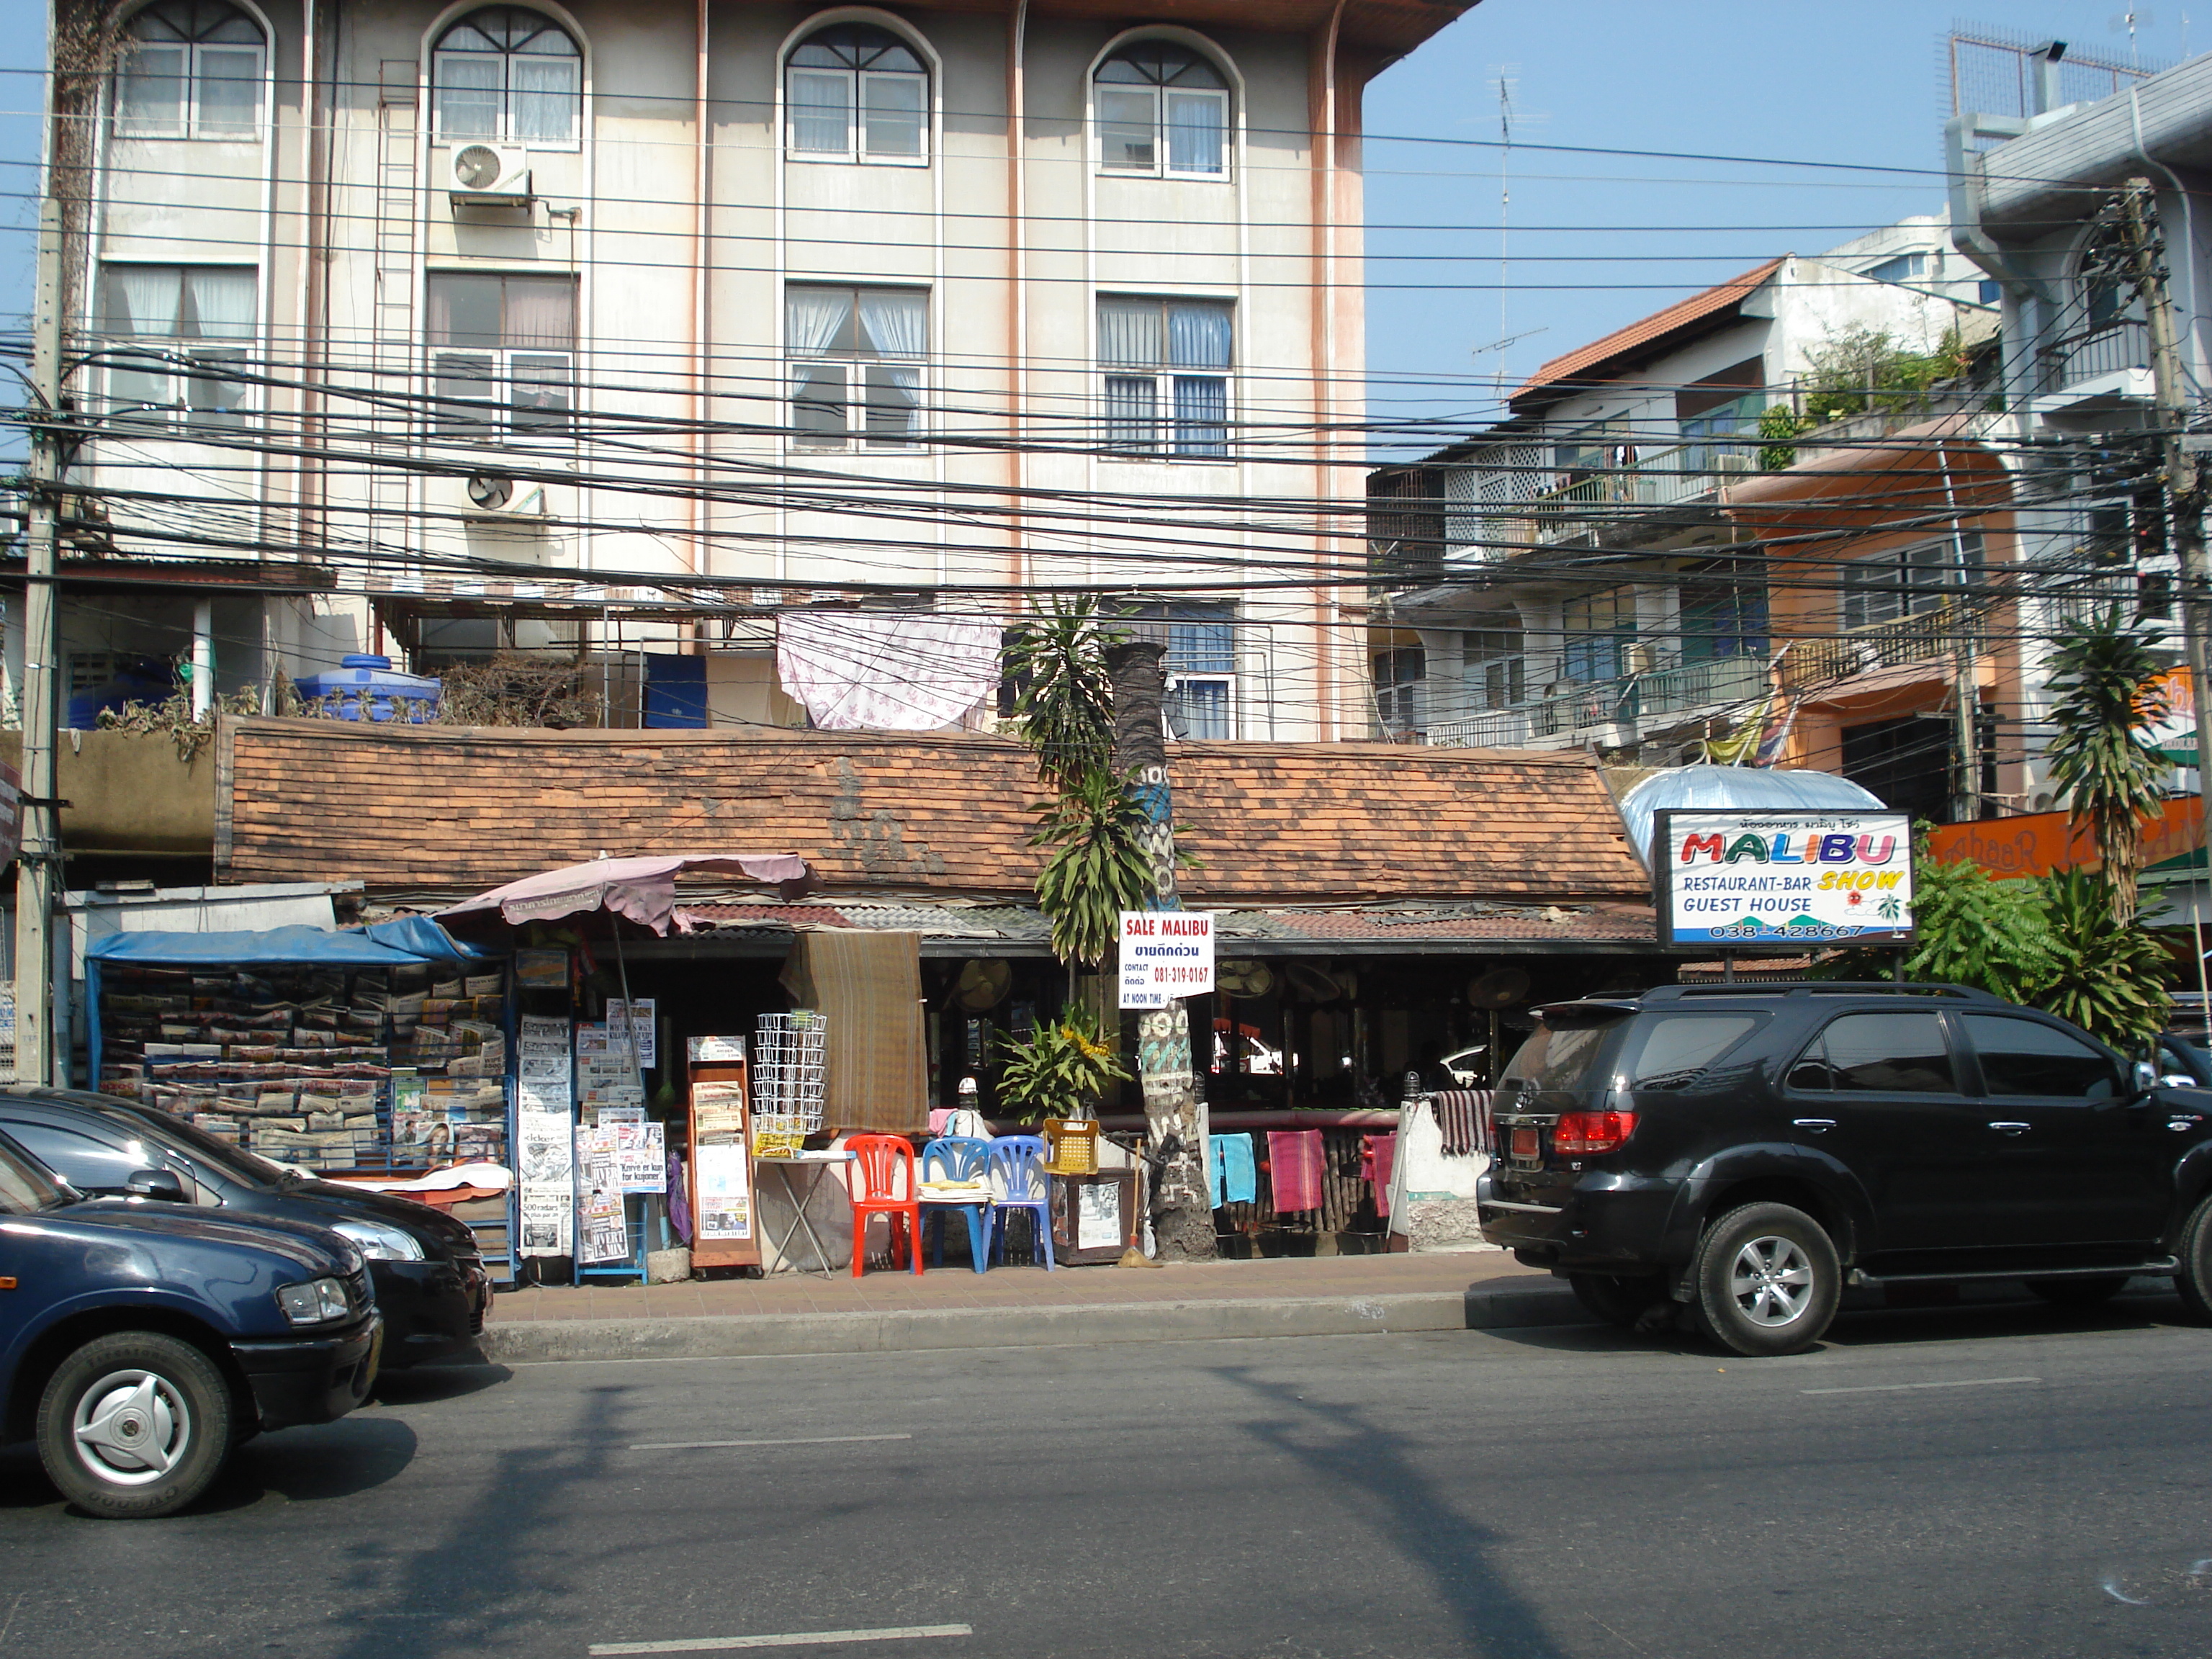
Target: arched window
(509, 76)
(190, 68)
(857, 93)
(1163, 109)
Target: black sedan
(427, 1267)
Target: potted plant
(1060, 1068)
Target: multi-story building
(618, 329)
(1580, 574)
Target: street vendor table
(800, 1174)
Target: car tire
(1765, 1280)
(1618, 1300)
(2194, 1280)
(2078, 1293)
(134, 1425)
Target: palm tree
(2105, 677)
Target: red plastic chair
(884, 1184)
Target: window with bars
(1909, 581)
(1199, 670)
(1496, 667)
(856, 358)
(1594, 635)
(507, 75)
(189, 69)
(1166, 366)
(857, 93)
(177, 341)
(1162, 109)
(502, 351)
(1723, 614)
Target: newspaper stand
(725, 1213)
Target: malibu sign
(1745, 880)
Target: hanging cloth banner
(885, 671)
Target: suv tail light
(1592, 1132)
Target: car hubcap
(1771, 1280)
(131, 1427)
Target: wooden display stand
(722, 1151)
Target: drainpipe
(1017, 299)
(702, 349)
(1326, 604)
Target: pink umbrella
(641, 888)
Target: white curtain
(822, 112)
(229, 91)
(895, 321)
(540, 313)
(891, 110)
(468, 96)
(149, 90)
(1129, 333)
(1195, 126)
(222, 301)
(1198, 337)
(815, 319)
(544, 92)
(148, 297)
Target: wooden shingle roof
(446, 807)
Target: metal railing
(2094, 352)
(1943, 632)
(1607, 703)
(1670, 477)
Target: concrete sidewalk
(1025, 1307)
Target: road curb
(729, 1336)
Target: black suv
(1746, 1152)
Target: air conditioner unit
(487, 175)
(495, 495)
(1737, 463)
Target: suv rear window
(1559, 1058)
(1668, 1051)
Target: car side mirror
(160, 1184)
(2144, 1076)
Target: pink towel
(1294, 1169)
(1382, 1156)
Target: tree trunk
(1175, 1110)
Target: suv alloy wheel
(134, 1425)
(1765, 1280)
(2194, 1281)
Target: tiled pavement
(954, 1287)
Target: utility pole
(1174, 1110)
(2139, 219)
(36, 864)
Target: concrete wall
(129, 794)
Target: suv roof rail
(1853, 987)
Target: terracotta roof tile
(1576, 365)
(944, 813)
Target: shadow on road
(424, 1385)
(1369, 1474)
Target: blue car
(141, 1341)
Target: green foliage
(2110, 976)
(1062, 1067)
(1777, 424)
(173, 715)
(2103, 677)
(1065, 708)
(1858, 367)
(1097, 867)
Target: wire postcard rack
(786, 1079)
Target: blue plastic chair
(957, 1158)
(1018, 1172)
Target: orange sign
(2041, 842)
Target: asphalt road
(2009, 1480)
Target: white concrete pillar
(202, 658)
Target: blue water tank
(370, 682)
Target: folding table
(800, 1175)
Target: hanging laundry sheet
(1377, 1155)
(1235, 1177)
(885, 671)
(1294, 1169)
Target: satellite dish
(1501, 987)
(1244, 979)
(1313, 984)
(982, 984)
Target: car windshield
(27, 1188)
(179, 1136)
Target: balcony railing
(1945, 631)
(2093, 353)
(1607, 704)
(1670, 478)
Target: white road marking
(798, 1639)
(1900, 1388)
(815, 1440)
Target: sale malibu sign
(1165, 955)
(1790, 879)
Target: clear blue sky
(1856, 81)
(1827, 80)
